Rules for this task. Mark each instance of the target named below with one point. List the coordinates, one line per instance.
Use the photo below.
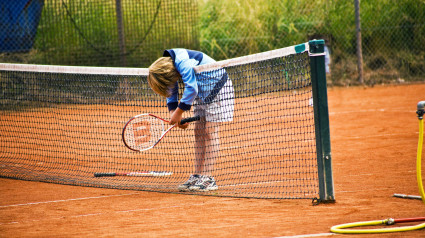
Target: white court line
(308, 235)
(100, 213)
(66, 200)
(373, 110)
(379, 135)
(357, 111)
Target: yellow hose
(341, 228)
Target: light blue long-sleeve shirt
(205, 86)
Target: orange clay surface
(374, 136)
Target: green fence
(393, 35)
(128, 33)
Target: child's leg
(199, 145)
(207, 146)
(212, 147)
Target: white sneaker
(190, 182)
(204, 183)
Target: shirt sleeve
(173, 100)
(185, 68)
(184, 64)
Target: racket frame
(183, 121)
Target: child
(212, 97)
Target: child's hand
(184, 126)
(176, 117)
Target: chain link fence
(133, 33)
(127, 33)
(393, 35)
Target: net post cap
(317, 46)
(317, 42)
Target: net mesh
(64, 127)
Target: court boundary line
(66, 200)
(402, 110)
(100, 214)
(308, 235)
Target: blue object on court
(18, 23)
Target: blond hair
(163, 76)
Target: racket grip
(190, 119)
(105, 174)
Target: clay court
(374, 136)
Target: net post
(321, 120)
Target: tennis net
(63, 124)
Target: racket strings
(143, 132)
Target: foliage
(393, 34)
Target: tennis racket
(145, 131)
(135, 174)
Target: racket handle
(105, 174)
(190, 119)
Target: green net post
(321, 121)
